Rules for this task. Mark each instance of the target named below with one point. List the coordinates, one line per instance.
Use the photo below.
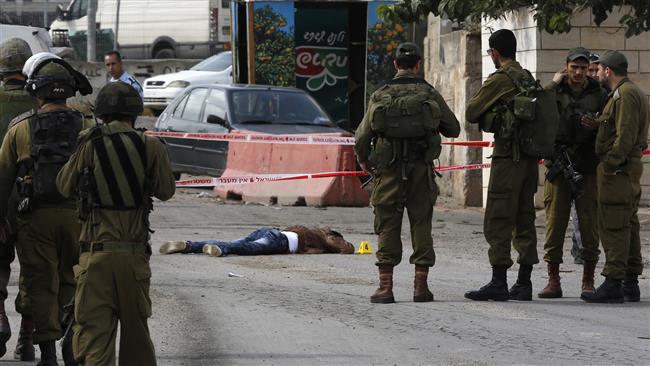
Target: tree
(383, 39)
(274, 49)
(551, 15)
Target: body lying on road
(292, 240)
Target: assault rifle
(562, 164)
(67, 321)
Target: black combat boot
(5, 330)
(631, 292)
(496, 290)
(522, 290)
(609, 291)
(25, 345)
(48, 354)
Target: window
(225, 4)
(218, 62)
(225, 30)
(194, 104)
(179, 107)
(276, 107)
(78, 9)
(215, 104)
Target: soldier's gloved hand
(368, 167)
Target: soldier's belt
(108, 246)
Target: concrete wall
(453, 66)
(544, 54)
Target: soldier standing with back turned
(35, 148)
(14, 101)
(622, 137)
(397, 142)
(114, 173)
(510, 209)
(571, 177)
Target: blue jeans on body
(260, 241)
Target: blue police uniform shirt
(127, 78)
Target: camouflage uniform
(622, 137)
(113, 275)
(510, 209)
(404, 176)
(14, 101)
(48, 231)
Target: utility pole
(91, 34)
(117, 25)
(45, 20)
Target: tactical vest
(532, 118)
(404, 110)
(406, 120)
(14, 101)
(119, 168)
(53, 140)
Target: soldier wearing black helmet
(14, 101)
(35, 148)
(114, 173)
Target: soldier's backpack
(54, 140)
(404, 108)
(536, 116)
(119, 168)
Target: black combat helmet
(51, 80)
(14, 52)
(118, 98)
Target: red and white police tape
(260, 178)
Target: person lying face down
(295, 239)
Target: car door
(187, 118)
(210, 156)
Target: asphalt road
(315, 309)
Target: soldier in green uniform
(35, 148)
(622, 137)
(397, 142)
(510, 211)
(113, 174)
(572, 173)
(14, 101)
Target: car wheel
(177, 176)
(165, 53)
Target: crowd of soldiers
(601, 119)
(76, 196)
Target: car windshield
(277, 107)
(218, 62)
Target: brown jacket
(320, 240)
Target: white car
(160, 90)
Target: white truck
(154, 28)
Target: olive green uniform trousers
(47, 249)
(618, 222)
(113, 285)
(557, 202)
(510, 211)
(390, 197)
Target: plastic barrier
(246, 158)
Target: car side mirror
(214, 119)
